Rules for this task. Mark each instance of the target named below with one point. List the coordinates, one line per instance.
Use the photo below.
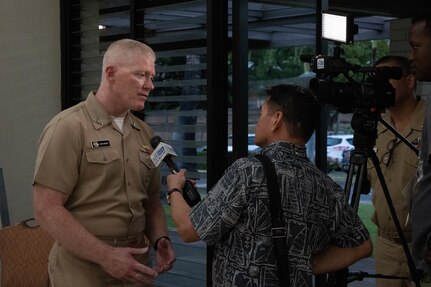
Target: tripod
(364, 125)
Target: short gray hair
(122, 52)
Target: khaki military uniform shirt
(398, 164)
(108, 174)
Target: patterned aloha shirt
(235, 220)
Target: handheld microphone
(164, 152)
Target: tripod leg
(342, 278)
(413, 271)
(359, 159)
(361, 176)
(321, 280)
(349, 179)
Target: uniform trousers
(66, 269)
(391, 260)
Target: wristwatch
(168, 195)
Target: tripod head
(364, 125)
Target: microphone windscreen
(162, 152)
(155, 141)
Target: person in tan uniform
(420, 43)
(398, 163)
(96, 190)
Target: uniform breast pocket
(410, 167)
(103, 161)
(146, 169)
(145, 159)
(102, 156)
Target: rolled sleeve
(220, 210)
(351, 231)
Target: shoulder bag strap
(278, 232)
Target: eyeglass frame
(386, 157)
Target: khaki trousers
(68, 270)
(391, 260)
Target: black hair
(299, 106)
(423, 14)
(401, 62)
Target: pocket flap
(145, 159)
(102, 156)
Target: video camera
(374, 91)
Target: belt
(394, 236)
(135, 240)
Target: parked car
(335, 145)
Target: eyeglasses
(386, 157)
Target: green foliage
(268, 64)
(363, 54)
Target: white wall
(29, 90)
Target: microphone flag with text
(164, 152)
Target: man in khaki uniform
(96, 191)
(398, 163)
(420, 42)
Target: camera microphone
(164, 152)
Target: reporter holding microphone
(320, 232)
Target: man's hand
(165, 256)
(120, 264)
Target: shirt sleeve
(56, 168)
(220, 210)
(350, 230)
